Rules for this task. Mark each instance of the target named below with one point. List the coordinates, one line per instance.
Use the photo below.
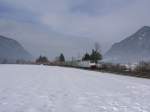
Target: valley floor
(37, 88)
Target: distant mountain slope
(132, 49)
(11, 50)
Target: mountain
(11, 50)
(135, 48)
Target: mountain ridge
(134, 48)
(11, 50)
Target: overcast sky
(49, 27)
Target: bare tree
(97, 47)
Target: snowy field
(33, 88)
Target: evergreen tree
(86, 57)
(61, 58)
(42, 59)
(95, 56)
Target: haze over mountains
(135, 48)
(11, 50)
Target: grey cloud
(57, 22)
(43, 41)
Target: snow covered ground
(32, 88)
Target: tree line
(44, 59)
(94, 56)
